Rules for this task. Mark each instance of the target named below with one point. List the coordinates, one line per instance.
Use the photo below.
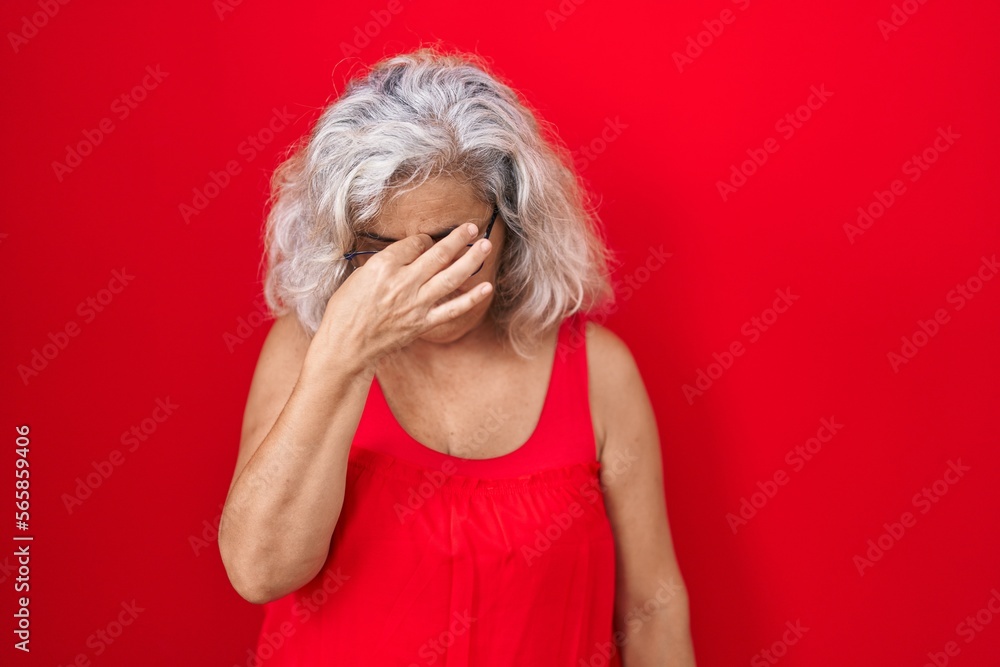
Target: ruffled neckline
(446, 474)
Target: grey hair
(412, 117)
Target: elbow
(262, 593)
(245, 577)
(259, 577)
(677, 606)
(252, 592)
(666, 599)
(250, 584)
(258, 585)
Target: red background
(164, 336)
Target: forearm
(659, 636)
(281, 512)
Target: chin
(449, 332)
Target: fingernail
(472, 229)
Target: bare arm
(651, 603)
(305, 402)
(288, 488)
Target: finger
(458, 306)
(405, 250)
(447, 280)
(443, 253)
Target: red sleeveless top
(441, 560)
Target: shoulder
(287, 336)
(284, 349)
(613, 377)
(606, 351)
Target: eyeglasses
(359, 257)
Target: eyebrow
(436, 236)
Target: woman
(441, 461)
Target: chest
(480, 416)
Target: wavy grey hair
(412, 117)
